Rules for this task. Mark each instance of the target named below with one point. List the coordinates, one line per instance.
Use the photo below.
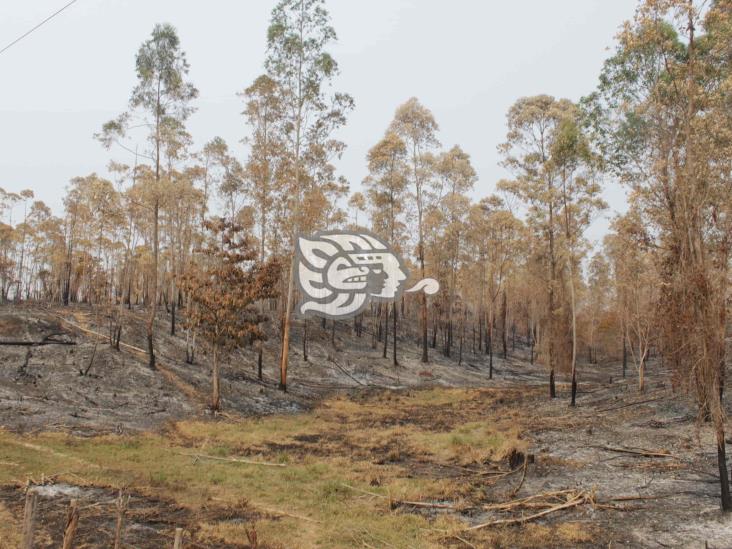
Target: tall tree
(494, 238)
(637, 283)
(386, 187)
(662, 115)
(455, 177)
(416, 125)
(575, 165)
(298, 62)
(533, 123)
(263, 112)
(160, 101)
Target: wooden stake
(72, 521)
(178, 543)
(29, 518)
(122, 502)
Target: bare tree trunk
(425, 355)
(642, 372)
(394, 335)
(285, 351)
(489, 348)
(305, 340)
(625, 353)
(173, 301)
(216, 389)
(504, 316)
(154, 298)
(260, 348)
(386, 328)
(724, 481)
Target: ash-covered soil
(645, 462)
(48, 387)
(148, 522)
(644, 453)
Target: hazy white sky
(466, 60)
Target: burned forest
(258, 338)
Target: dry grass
(566, 534)
(414, 446)
(9, 529)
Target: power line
(38, 25)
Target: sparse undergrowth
(347, 467)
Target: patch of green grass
(307, 500)
(474, 437)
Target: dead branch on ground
(231, 460)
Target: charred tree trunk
(386, 329)
(215, 385)
(394, 335)
(504, 315)
(260, 351)
(724, 481)
(173, 303)
(489, 348)
(305, 340)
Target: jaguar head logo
(340, 272)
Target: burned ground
(357, 454)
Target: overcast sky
(466, 60)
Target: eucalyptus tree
(357, 204)
(299, 63)
(662, 116)
(416, 125)
(263, 113)
(598, 301)
(455, 177)
(22, 228)
(493, 238)
(386, 191)
(532, 125)
(575, 164)
(7, 242)
(159, 105)
(637, 283)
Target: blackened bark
(259, 362)
(386, 329)
(305, 341)
(726, 498)
(552, 387)
(394, 336)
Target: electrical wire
(37, 26)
